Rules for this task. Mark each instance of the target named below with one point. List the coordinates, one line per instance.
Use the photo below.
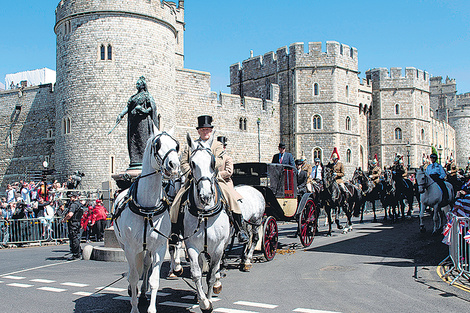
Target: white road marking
(83, 293)
(178, 304)
(110, 289)
(189, 298)
(14, 277)
(224, 310)
(74, 284)
(52, 289)
(312, 311)
(163, 294)
(256, 304)
(44, 281)
(20, 285)
(122, 298)
(37, 267)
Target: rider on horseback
(375, 171)
(451, 170)
(338, 171)
(437, 173)
(205, 129)
(399, 172)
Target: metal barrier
(459, 249)
(20, 231)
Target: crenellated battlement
(436, 81)
(336, 55)
(167, 12)
(394, 78)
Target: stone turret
(103, 47)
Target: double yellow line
(441, 271)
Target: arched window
(316, 122)
(102, 52)
(66, 125)
(341, 49)
(360, 108)
(112, 164)
(422, 134)
(348, 123)
(317, 153)
(422, 111)
(240, 123)
(347, 91)
(397, 108)
(348, 156)
(351, 52)
(315, 89)
(398, 134)
(244, 124)
(110, 52)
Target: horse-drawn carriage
(278, 184)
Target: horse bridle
(156, 144)
(204, 178)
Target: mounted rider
(338, 171)
(437, 173)
(205, 129)
(375, 171)
(399, 173)
(451, 170)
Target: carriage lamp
(408, 148)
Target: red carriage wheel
(270, 238)
(308, 220)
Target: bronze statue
(142, 117)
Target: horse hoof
(209, 310)
(217, 289)
(178, 272)
(374, 220)
(172, 276)
(246, 267)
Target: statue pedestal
(111, 251)
(125, 179)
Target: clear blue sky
(432, 35)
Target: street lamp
(408, 148)
(440, 153)
(258, 122)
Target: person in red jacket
(99, 220)
(86, 221)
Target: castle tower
(459, 119)
(442, 97)
(400, 122)
(321, 103)
(103, 47)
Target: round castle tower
(103, 47)
(459, 119)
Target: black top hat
(282, 145)
(298, 162)
(204, 121)
(223, 140)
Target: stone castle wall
(194, 98)
(459, 119)
(91, 92)
(333, 74)
(27, 135)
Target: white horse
(252, 206)
(431, 196)
(143, 224)
(206, 224)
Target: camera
(76, 179)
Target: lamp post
(408, 148)
(440, 153)
(45, 171)
(258, 122)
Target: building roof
(33, 78)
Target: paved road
(377, 267)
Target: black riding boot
(237, 223)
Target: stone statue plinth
(125, 179)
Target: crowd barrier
(23, 231)
(459, 248)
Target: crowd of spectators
(30, 200)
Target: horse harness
(146, 212)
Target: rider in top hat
(437, 173)
(283, 157)
(204, 129)
(375, 171)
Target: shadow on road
(400, 240)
